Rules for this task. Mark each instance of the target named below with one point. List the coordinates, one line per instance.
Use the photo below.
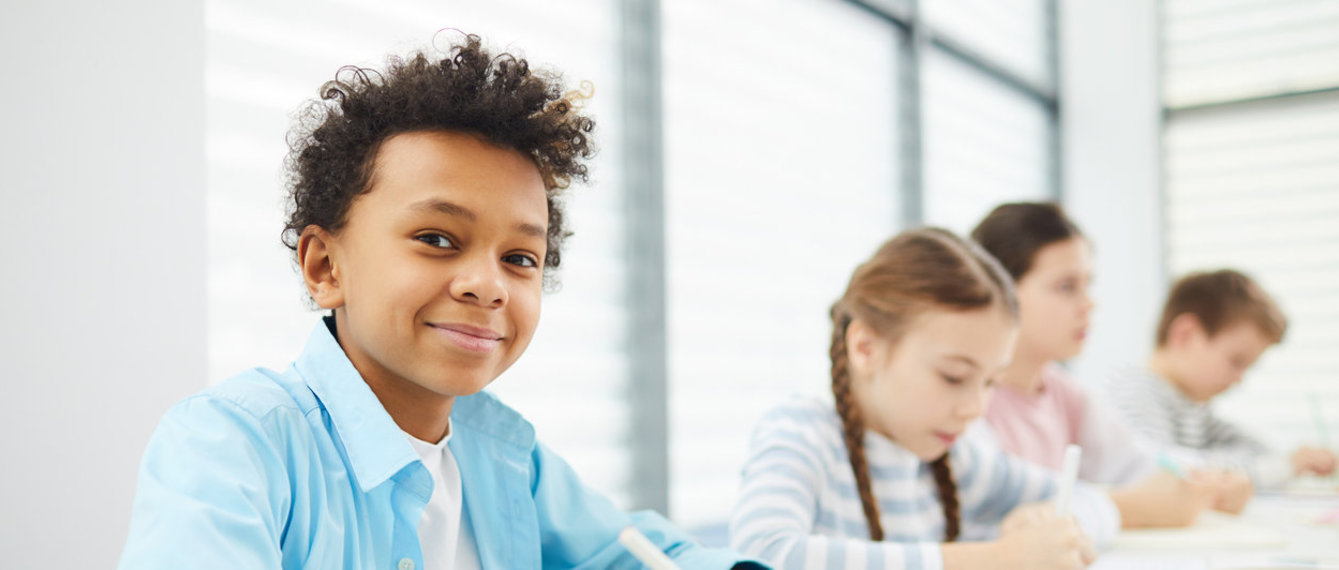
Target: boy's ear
(1183, 328)
(319, 270)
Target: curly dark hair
(334, 144)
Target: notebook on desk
(1307, 487)
(1213, 531)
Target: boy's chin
(458, 387)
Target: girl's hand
(1313, 460)
(1163, 500)
(1034, 537)
(1232, 489)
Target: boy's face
(1209, 365)
(436, 276)
(924, 390)
(1053, 300)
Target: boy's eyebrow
(532, 230)
(448, 208)
(453, 209)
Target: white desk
(1291, 531)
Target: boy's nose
(479, 282)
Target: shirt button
(406, 564)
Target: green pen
(1169, 464)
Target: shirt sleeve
(1111, 455)
(579, 527)
(205, 497)
(992, 483)
(1233, 443)
(774, 518)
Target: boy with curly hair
(424, 216)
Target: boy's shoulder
(258, 394)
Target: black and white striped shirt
(1167, 422)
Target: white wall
(1111, 125)
(102, 250)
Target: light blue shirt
(305, 469)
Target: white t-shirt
(443, 532)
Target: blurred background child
(1214, 326)
(1037, 409)
(891, 476)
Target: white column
(102, 262)
(1110, 135)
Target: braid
(853, 432)
(948, 496)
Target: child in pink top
(1036, 410)
(1038, 426)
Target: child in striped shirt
(888, 474)
(1214, 326)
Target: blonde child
(1037, 409)
(424, 216)
(1214, 326)
(888, 474)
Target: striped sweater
(1167, 422)
(799, 508)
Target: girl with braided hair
(889, 473)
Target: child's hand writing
(1033, 536)
(1163, 500)
(1232, 489)
(1313, 460)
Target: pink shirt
(1038, 426)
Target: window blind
(1224, 50)
(781, 161)
(1012, 33)
(1251, 149)
(985, 143)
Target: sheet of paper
(1272, 562)
(1213, 531)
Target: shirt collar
(484, 414)
(375, 445)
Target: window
(781, 158)
(1251, 149)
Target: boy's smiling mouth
(468, 337)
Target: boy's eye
(952, 379)
(521, 260)
(435, 240)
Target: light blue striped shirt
(799, 508)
